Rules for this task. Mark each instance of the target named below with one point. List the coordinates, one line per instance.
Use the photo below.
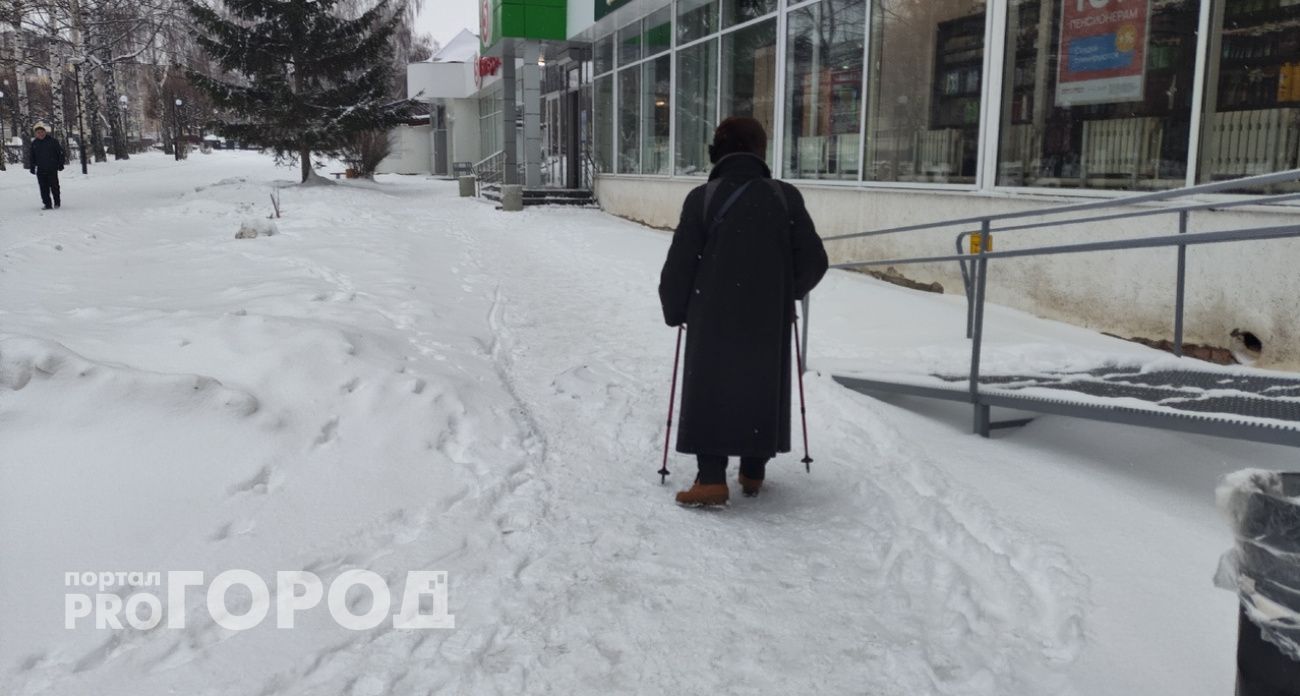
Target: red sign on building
(484, 66)
(1103, 51)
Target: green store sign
(521, 19)
(604, 7)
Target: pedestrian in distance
(744, 252)
(45, 159)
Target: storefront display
(1089, 94)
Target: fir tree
(300, 78)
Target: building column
(532, 74)
(509, 114)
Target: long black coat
(736, 290)
(45, 154)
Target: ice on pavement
(400, 379)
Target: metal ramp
(1258, 408)
(1235, 404)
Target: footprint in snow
(328, 431)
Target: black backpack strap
(710, 189)
(726, 205)
(780, 195)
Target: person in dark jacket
(734, 282)
(45, 159)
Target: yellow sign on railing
(977, 241)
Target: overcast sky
(445, 18)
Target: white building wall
(411, 151)
(1249, 285)
(429, 81)
(462, 131)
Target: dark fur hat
(738, 134)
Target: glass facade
(740, 11)
(749, 74)
(629, 43)
(823, 90)
(490, 123)
(697, 105)
(923, 119)
(658, 35)
(1078, 111)
(1251, 120)
(1083, 94)
(629, 120)
(602, 55)
(604, 137)
(656, 108)
(696, 19)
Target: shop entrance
(566, 113)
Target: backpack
(735, 195)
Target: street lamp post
(176, 128)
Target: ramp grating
(1250, 396)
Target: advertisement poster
(1103, 51)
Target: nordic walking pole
(672, 399)
(803, 410)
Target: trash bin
(1264, 569)
(467, 186)
(512, 197)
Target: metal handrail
(488, 169)
(1271, 232)
(1211, 205)
(1212, 187)
(589, 168)
(975, 278)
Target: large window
(629, 120)
(629, 44)
(696, 19)
(925, 85)
(697, 105)
(1097, 97)
(823, 90)
(1252, 93)
(603, 55)
(490, 122)
(605, 123)
(749, 74)
(739, 11)
(656, 108)
(659, 32)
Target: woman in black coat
(744, 252)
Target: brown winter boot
(703, 494)
(750, 486)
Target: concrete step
(572, 202)
(556, 193)
(545, 196)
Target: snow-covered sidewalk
(405, 380)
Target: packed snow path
(405, 380)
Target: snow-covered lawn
(404, 380)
